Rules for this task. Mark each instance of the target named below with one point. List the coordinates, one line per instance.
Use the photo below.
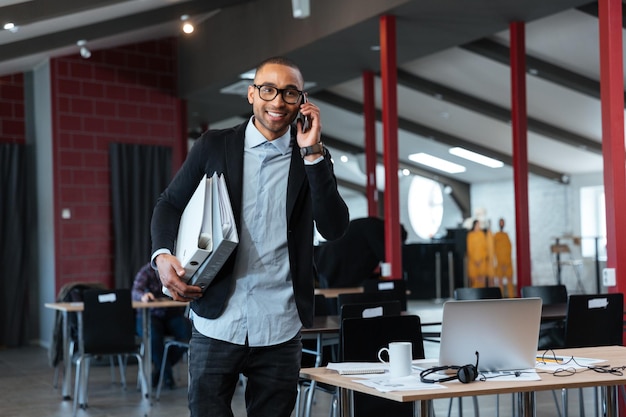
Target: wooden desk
(614, 355)
(334, 292)
(78, 307)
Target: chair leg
(162, 371)
(564, 401)
(77, 386)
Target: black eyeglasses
(269, 93)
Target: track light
(190, 22)
(84, 52)
(187, 24)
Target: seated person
(355, 257)
(164, 321)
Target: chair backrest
(549, 294)
(485, 293)
(394, 286)
(362, 338)
(375, 309)
(594, 320)
(108, 322)
(320, 306)
(367, 297)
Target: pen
(542, 359)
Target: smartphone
(304, 119)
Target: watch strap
(315, 149)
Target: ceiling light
(343, 158)
(476, 157)
(84, 52)
(437, 163)
(11, 27)
(248, 75)
(187, 25)
(301, 8)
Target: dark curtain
(139, 173)
(15, 218)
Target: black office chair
(483, 293)
(395, 286)
(108, 328)
(593, 320)
(362, 338)
(551, 333)
(70, 292)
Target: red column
(612, 102)
(389, 78)
(519, 125)
(369, 113)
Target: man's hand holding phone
(309, 129)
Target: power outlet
(608, 277)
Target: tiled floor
(26, 389)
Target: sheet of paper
(384, 383)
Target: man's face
(273, 118)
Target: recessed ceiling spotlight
(343, 159)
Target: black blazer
(311, 195)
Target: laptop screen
(504, 332)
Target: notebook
(504, 332)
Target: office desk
(614, 355)
(334, 292)
(77, 307)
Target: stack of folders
(207, 233)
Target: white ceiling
(432, 49)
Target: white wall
(554, 211)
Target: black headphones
(465, 373)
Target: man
(163, 322)
(349, 261)
(280, 179)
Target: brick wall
(12, 125)
(125, 95)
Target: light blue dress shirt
(262, 308)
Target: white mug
(400, 358)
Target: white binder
(225, 237)
(194, 241)
(207, 220)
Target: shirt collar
(254, 138)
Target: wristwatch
(317, 149)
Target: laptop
(504, 332)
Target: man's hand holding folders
(207, 235)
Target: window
(593, 221)
(425, 205)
